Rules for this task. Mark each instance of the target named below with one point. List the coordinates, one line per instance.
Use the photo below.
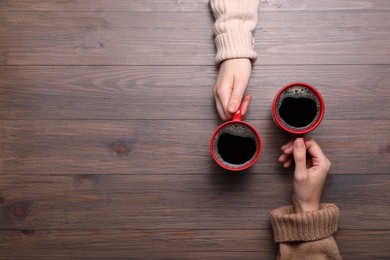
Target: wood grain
(211, 201)
(173, 146)
(180, 92)
(182, 5)
(326, 5)
(111, 38)
(105, 6)
(175, 244)
(106, 112)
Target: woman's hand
(309, 175)
(232, 81)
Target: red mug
(298, 108)
(235, 145)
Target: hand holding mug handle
(242, 128)
(243, 108)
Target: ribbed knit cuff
(233, 45)
(314, 225)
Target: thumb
(299, 152)
(236, 97)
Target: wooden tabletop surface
(106, 111)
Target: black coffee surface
(235, 149)
(298, 112)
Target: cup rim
(246, 166)
(305, 130)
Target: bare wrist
(304, 209)
(300, 207)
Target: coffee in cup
(235, 145)
(298, 108)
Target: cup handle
(237, 116)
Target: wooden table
(106, 112)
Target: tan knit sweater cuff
(315, 225)
(233, 45)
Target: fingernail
(299, 144)
(232, 108)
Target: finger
(289, 149)
(235, 99)
(245, 104)
(299, 152)
(283, 158)
(288, 145)
(220, 110)
(222, 92)
(287, 164)
(315, 150)
(318, 156)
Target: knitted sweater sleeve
(308, 235)
(235, 21)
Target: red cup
(298, 108)
(235, 145)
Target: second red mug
(298, 108)
(235, 145)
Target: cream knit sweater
(300, 236)
(235, 21)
